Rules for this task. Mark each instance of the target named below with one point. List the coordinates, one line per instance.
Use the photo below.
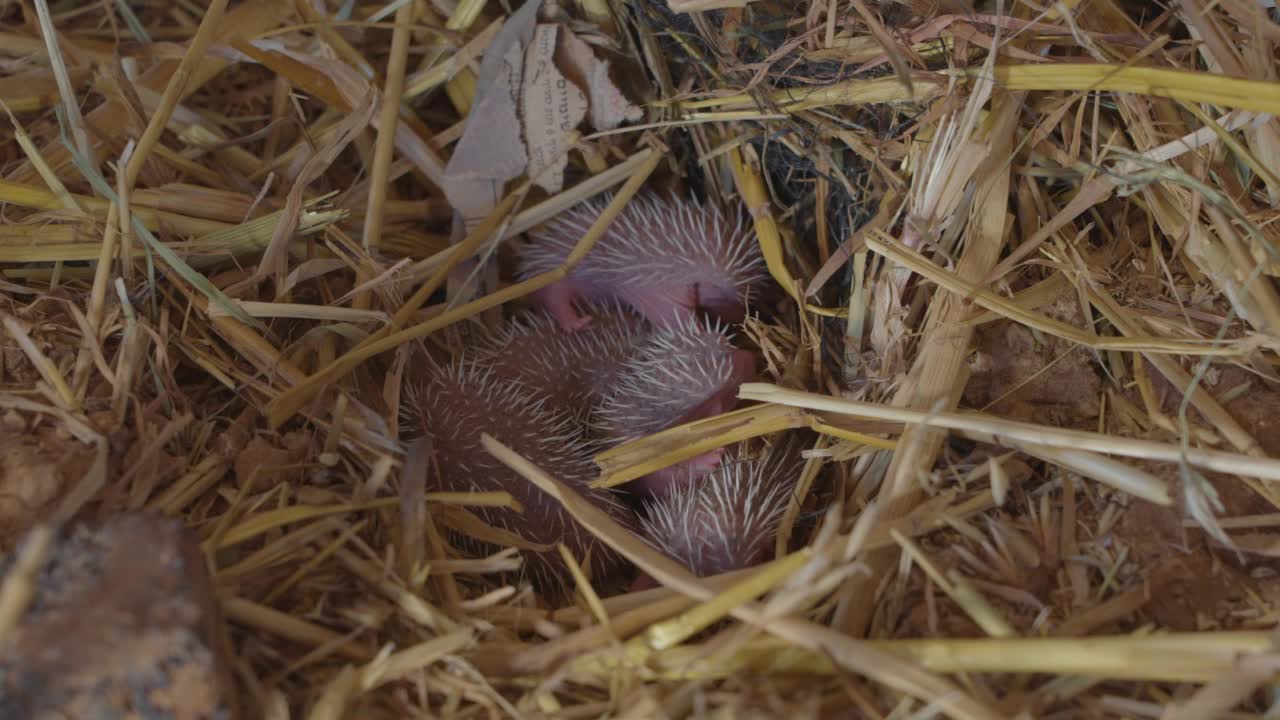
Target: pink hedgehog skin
(726, 520)
(571, 370)
(463, 400)
(664, 257)
(685, 371)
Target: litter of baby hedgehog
(666, 358)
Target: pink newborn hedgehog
(665, 257)
(685, 371)
(463, 400)
(573, 370)
(726, 520)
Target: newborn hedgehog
(572, 370)
(664, 257)
(726, 520)
(684, 371)
(463, 400)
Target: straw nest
(1025, 320)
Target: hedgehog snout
(661, 482)
(663, 304)
(723, 302)
(559, 299)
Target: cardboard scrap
(536, 83)
(491, 150)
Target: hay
(1025, 313)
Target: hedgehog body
(663, 256)
(463, 400)
(571, 370)
(685, 371)
(726, 520)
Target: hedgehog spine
(723, 522)
(677, 367)
(464, 399)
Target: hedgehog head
(665, 256)
(683, 371)
(721, 251)
(724, 521)
(569, 369)
(722, 301)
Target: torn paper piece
(551, 106)
(609, 107)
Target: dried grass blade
(414, 659)
(171, 258)
(70, 106)
(19, 586)
(878, 91)
(173, 91)
(640, 457)
(1188, 86)
(1108, 472)
(989, 428)
(974, 605)
(1176, 657)
(272, 621)
(751, 187)
(41, 362)
(258, 524)
(890, 248)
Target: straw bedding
(1021, 314)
